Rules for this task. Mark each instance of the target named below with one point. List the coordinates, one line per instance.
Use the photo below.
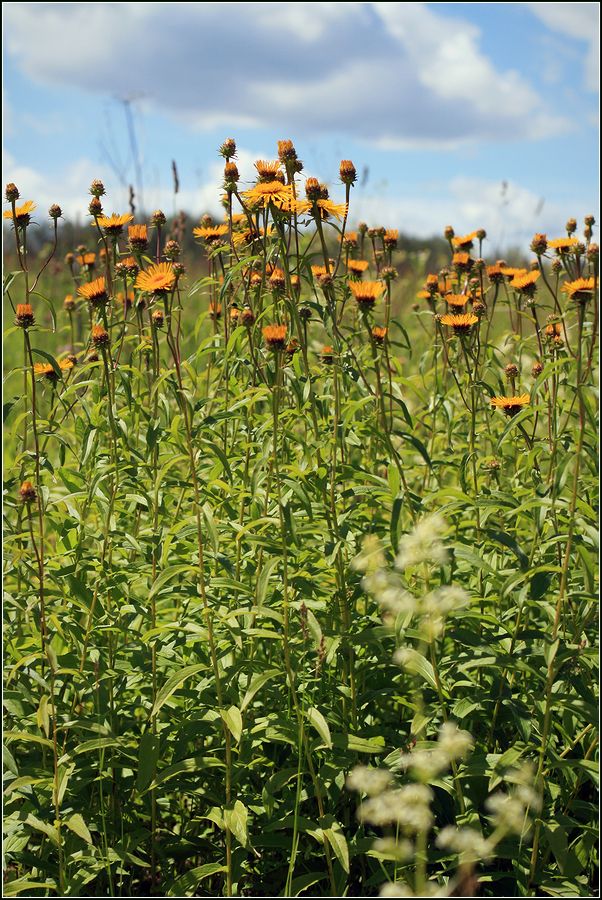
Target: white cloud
(580, 21)
(400, 74)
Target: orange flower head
(138, 237)
(100, 336)
(24, 316)
(357, 267)
(563, 245)
(495, 274)
(461, 324)
(391, 237)
(45, 370)
(210, 233)
(464, 242)
(275, 337)
(27, 492)
(526, 284)
(379, 333)
(456, 301)
(157, 279)
(95, 292)
(582, 289)
(277, 280)
(366, 293)
(270, 192)
(269, 170)
(87, 259)
(326, 355)
(215, 310)
(462, 262)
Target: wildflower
(318, 271)
(97, 188)
(277, 280)
(125, 301)
(66, 364)
(24, 316)
(539, 244)
(286, 152)
(448, 233)
(368, 781)
(100, 336)
(269, 170)
(69, 303)
(495, 274)
(247, 316)
(526, 284)
(537, 369)
(462, 262)
(468, 843)
(423, 544)
(231, 176)
(292, 347)
(571, 226)
(275, 336)
(87, 260)
(593, 253)
(45, 370)
(452, 744)
(138, 237)
(510, 405)
(391, 237)
(326, 355)
(215, 310)
(511, 371)
(347, 172)
(22, 214)
(581, 290)
(11, 192)
(158, 219)
(157, 318)
(408, 807)
(423, 295)
(55, 212)
(210, 233)
(228, 148)
(431, 284)
(27, 492)
(379, 334)
(157, 279)
(317, 199)
(234, 314)
(271, 192)
(70, 259)
(95, 207)
(563, 245)
(461, 324)
(389, 273)
(357, 266)
(304, 313)
(366, 293)
(371, 558)
(456, 301)
(464, 243)
(95, 292)
(349, 240)
(113, 225)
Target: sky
(469, 114)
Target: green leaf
(318, 721)
(77, 825)
(235, 820)
(187, 884)
(256, 683)
(335, 837)
(147, 760)
(173, 683)
(233, 720)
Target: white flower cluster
(452, 744)
(509, 812)
(402, 889)
(368, 781)
(407, 807)
(423, 544)
(469, 844)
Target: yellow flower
(465, 242)
(21, 212)
(563, 245)
(264, 193)
(114, 224)
(456, 301)
(210, 233)
(95, 292)
(510, 405)
(582, 289)
(357, 266)
(525, 284)
(158, 278)
(275, 336)
(366, 293)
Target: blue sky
(441, 102)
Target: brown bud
(228, 148)
(158, 219)
(97, 188)
(27, 492)
(11, 192)
(537, 369)
(55, 211)
(347, 172)
(95, 207)
(571, 226)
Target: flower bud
(95, 207)
(539, 244)
(158, 219)
(27, 492)
(55, 211)
(571, 226)
(347, 172)
(11, 192)
(24, 316)
(97, 188)
(228, 148)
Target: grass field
(300, 558)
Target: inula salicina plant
(300, 555)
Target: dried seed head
(480, 234)
(24, 317)
(347, 172)
(304, 313)
(449, 232)
(539, 244)
(593, 253)
(589, 220)
(11, 192)
(158, 318)
(70, 258)
(171, 250)
(158, 219)
(571, 226)
(97, 188)
(511, 371)
(537, 369)
(228, 148)
(389, 273)
(556, 265)
(179, 269)
(55, 211)
(478, 308)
